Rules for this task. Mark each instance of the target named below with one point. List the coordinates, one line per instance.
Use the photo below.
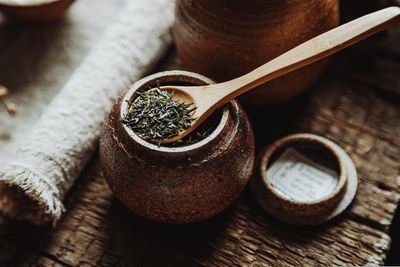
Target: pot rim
(139, 84)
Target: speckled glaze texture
(225, 39)
(184, 184)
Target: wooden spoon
(208, 98)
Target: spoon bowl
(189, 94)
(180, 94)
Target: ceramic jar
(225, 39)
(177, 184)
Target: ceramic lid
(304, 179)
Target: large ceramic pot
(177, 184)
(225, 39)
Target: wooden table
(356, 103)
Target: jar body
(184, 184)
(225, 39)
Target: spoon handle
(311, 51)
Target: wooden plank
(346, 105)
(379, 71)
(98, 231)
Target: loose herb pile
(155, 115)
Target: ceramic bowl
(226, 39)
(40, 11)
(177, 184)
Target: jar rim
(154, 77)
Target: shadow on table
(20, 242)
(138, 241)
(228, 239)
(394, 255)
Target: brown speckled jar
(228, 38)
(183, 184)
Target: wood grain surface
(356, 104)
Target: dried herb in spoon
(155, 115)
(204, 130)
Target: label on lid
(295, 176)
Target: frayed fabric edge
(25, 195)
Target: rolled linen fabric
(34, 183)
